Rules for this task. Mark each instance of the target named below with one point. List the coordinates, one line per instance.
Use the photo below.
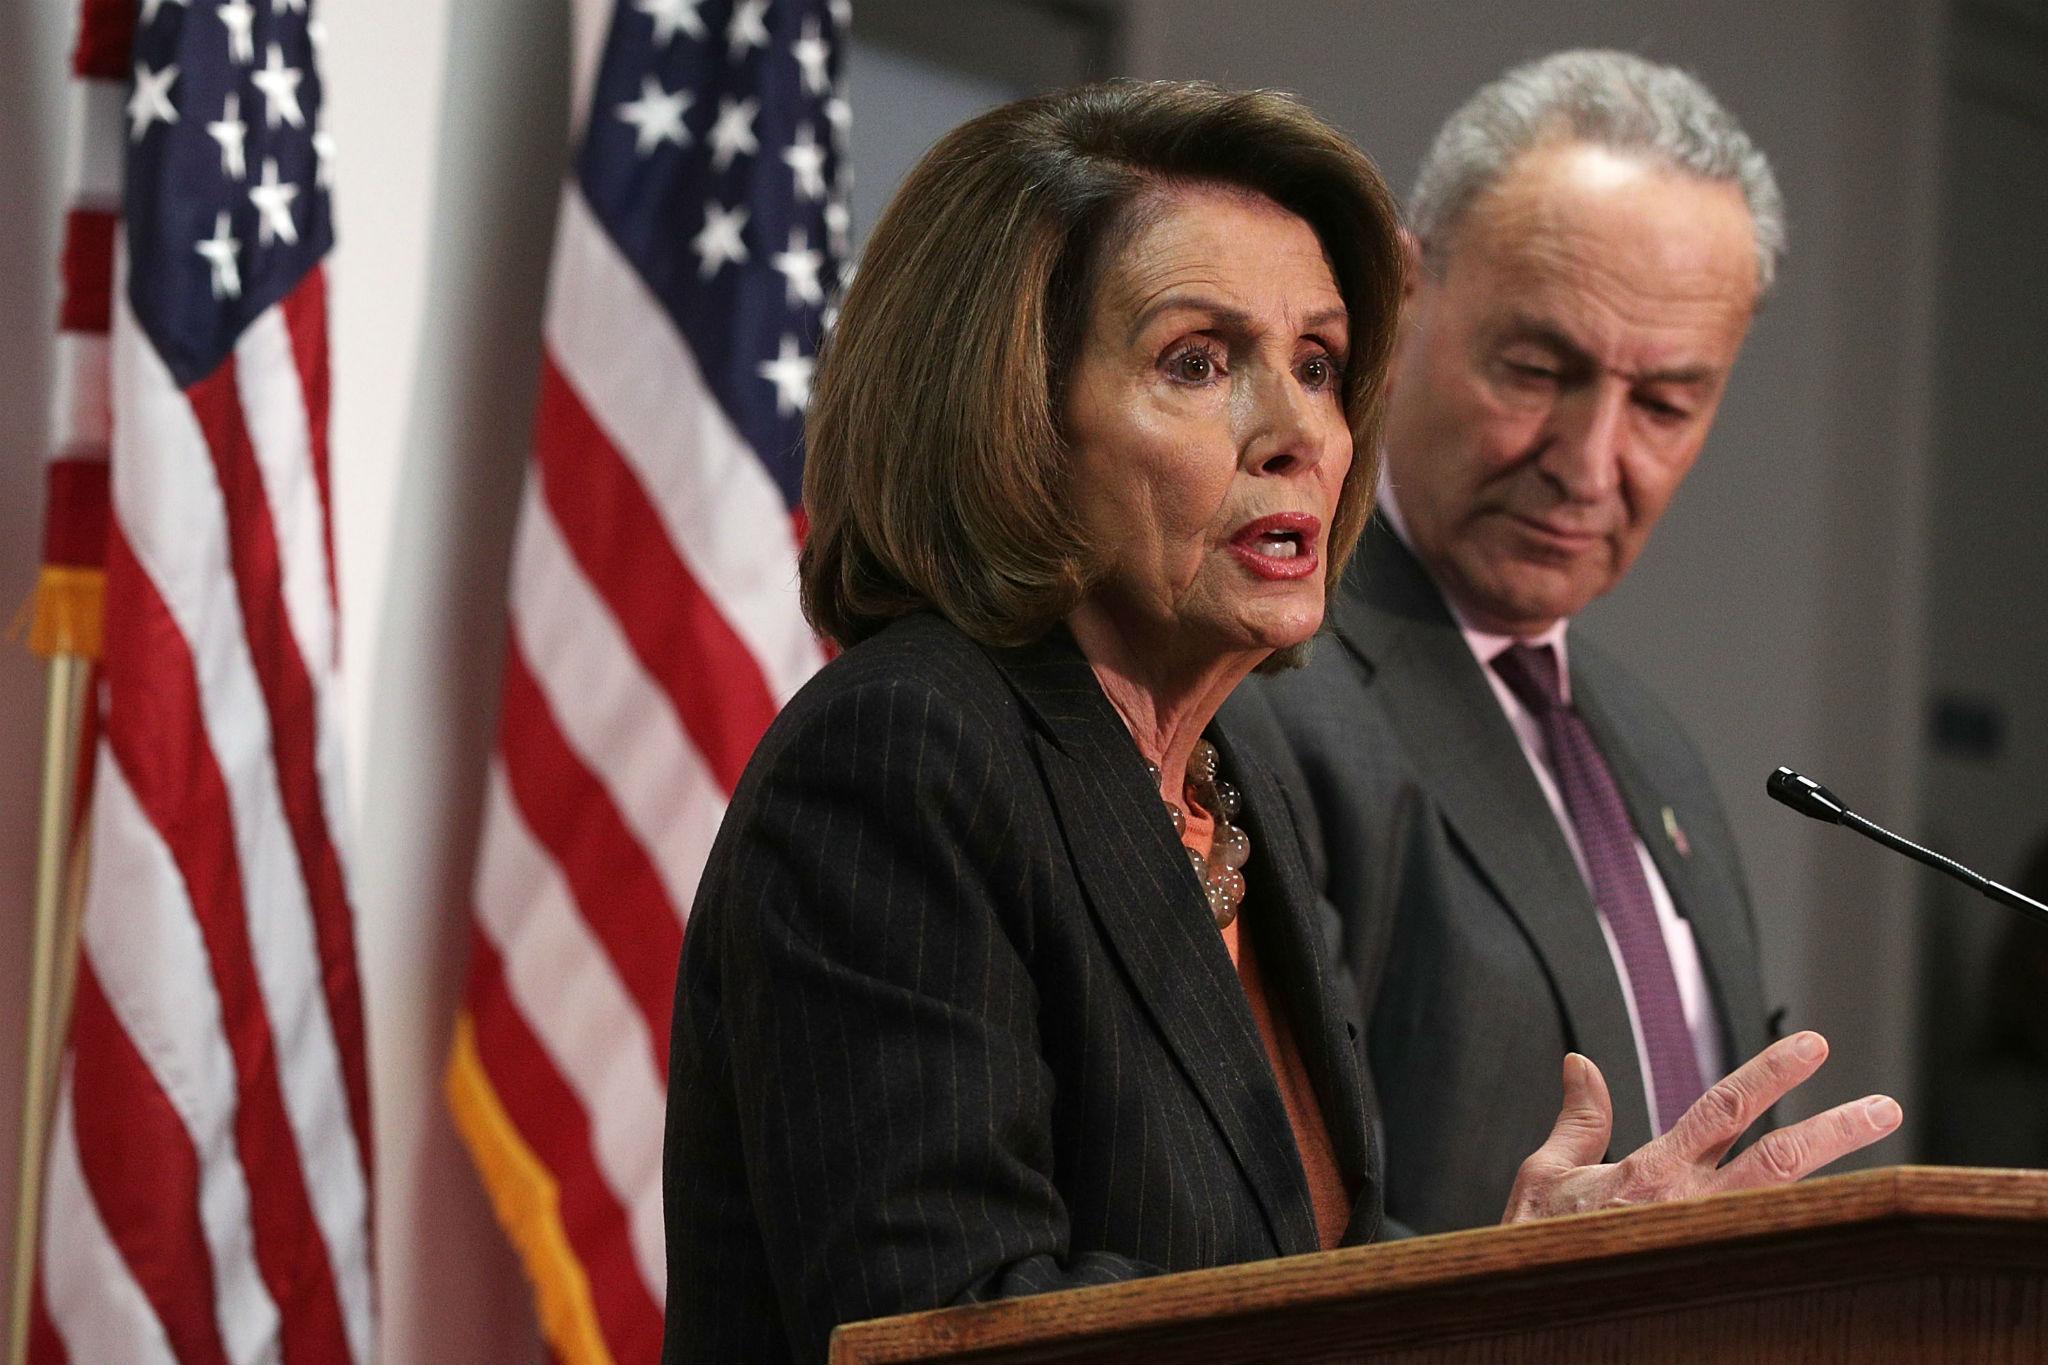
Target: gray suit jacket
(1473, 939)
(954, 1021)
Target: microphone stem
(2005, 895)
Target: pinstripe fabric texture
(954, 1022)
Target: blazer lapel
(1301, 975)
(1135, 875)
(1476, 772)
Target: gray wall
(1987, 638)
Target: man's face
(1555, 379)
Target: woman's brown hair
(936, 471)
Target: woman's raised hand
(1562, 1176)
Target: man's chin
(1524, 601)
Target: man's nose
(1588, 431)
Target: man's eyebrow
(1553, 338)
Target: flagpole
(50, 973)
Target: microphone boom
(1811, 799)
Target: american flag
(208, 1181)
(654, 620)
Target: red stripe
(612, 879)
(75, 513)
(551, 1121)
(673, 626)
(294, 715)
(88, 304)
(143, 1171)
(106, 37)
(305, 319)
(45, 1347)
(158, 735)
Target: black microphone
(1809, 797)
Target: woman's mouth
(1279, 547)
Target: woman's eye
(1320, 372)
(1193, 366)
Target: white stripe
(614, 716)
(82, 418)
(99, 136)
(95, 1304)
(564, 987)
(642, 385)
(267, 378)
(146, 949)
(168, 502)
(274, 405)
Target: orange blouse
(1311, 1135)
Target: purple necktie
(1620, 889)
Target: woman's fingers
(1555, 1178)
(1705, 1132)
(1787, 1154)
(1584, 1122)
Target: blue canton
(715, 159)
(225, 177)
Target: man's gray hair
(1614, 100)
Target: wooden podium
(1909, 1263)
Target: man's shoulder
(1619, 700)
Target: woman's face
(1207, 420)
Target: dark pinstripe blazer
(954, 1023)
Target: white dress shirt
(1693, 995)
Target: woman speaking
(1005, 974)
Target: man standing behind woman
(1005, 973)
(1526, 853)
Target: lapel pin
(1675, 834)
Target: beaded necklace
(1229, 846)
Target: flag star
(746, 29)
(814, 55)
(230, 132)
(806, 161)
(150, 101)
(842, 14)
(800, 266)
(280, 86)
(316, 34)
(274, 202)
(790, 373)
(671, 15)
(287, 6)
(657, 116)
(150, 7)
(733, 133)
(240, 18)
(838, 227)
(719, 241)
(323, 158)
(839, 114)
(219, 251)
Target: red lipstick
(1280, 547)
